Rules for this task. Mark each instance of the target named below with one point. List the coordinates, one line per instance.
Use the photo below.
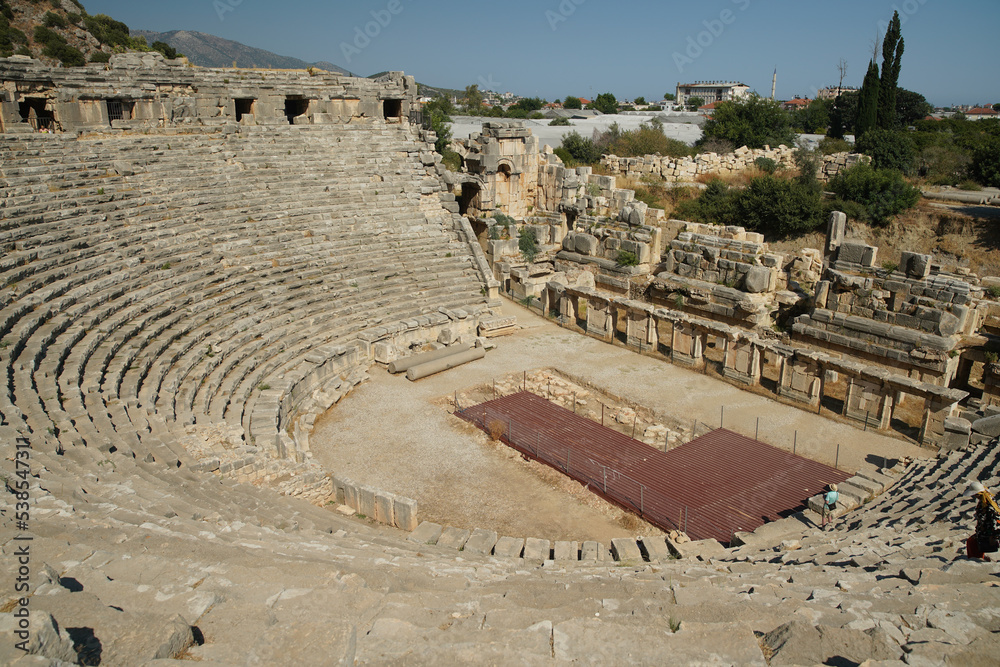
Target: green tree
(868, 100)
(753, 122)
(572, 102)
(473, 98)
(640, 101)
(647, 139)
(892, 57)
(605, 103)
(670, 97)
(814, 119)
(779, 208)
(529, 104)
(169, 52)
(888, 149)
(437, 119)
(695, 103)
(910, 107)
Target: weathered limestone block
(586, 244)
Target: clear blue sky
(554, 48)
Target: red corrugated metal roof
(712, 486)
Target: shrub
(830, 146)
(53, 20)
(647, 139)
(565, 156)
(882, 193)
(55, 46)
(605, 103)
(560, 122)
(627, 258)
(753, 122)
(451, 160)
(170, 53)
(496, 429)
(716, 145)
(889, 150)
(572, 102)
(528, 245)
(970, 186)
(766, 165)
(582, 150)
(985, 167)
(993, 291)
(778, 207)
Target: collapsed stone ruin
(198, 262)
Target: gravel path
(399, 436)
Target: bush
(451, 160)
(107, 30)
(100, 57)
(55, 46)
(560, 122)
(528, 245)
(985, 166)
(565, 156)
(582, 150)
(169, 52)
(572, 103)
(831, 146)
(777, 207)
(647, 139)
(627, 258)
(766, 165)
(717, 146)
(10, 37)
(753, 122)
(53, 20)
(881, 193)
(889, 150)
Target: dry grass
(630, 521)
(496, 429)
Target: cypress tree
(892, 56)
(868, 102)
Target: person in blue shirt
(829, 504)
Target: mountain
(207, 50)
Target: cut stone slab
(510, 547)
(567, 550)
(800, 643)
(656, 548)
(426, 533)
(625, 550)
(481, 541)
(537, 549)
(697, 549)
(453, 538)
(592, 551)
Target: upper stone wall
(143, 91)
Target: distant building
(980, 113)
(708, 109)
(832, 92)
(796, 104)
(712, 91)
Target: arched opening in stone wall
(34, 112)
(503, 188)
(470, 194)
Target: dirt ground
(401, 436)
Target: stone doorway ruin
(244, 107)
(295, 106)
(502, 197)
(470, 194)
(392, 110)
(34, 112)
(120, 110)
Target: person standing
(829, 504)
(987, 536)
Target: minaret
(774, 84)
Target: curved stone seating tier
(156, 281)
